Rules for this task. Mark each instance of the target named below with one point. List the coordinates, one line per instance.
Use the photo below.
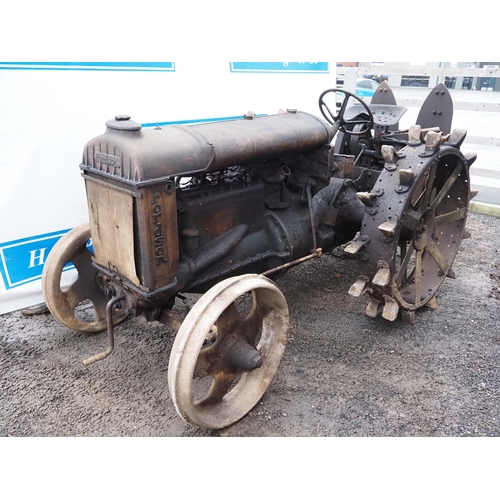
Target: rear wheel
(412, 229)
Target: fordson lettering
(158, 230)
(106, 158)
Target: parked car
(365, 88)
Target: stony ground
(343, 374)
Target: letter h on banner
(22, 261)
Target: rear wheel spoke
(402, 273)
(418, 277)
(446, 188)
(454, 216)
(426, 199)
(441, 261)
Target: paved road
(479, 113)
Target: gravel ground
(343, 374)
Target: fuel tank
(133, 155)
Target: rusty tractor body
(223, 209)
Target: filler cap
(123, 122)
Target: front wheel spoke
(205, 362)
(441, 261)
(220, 385)
(84, 288)
(447, 186)
(86, 274)
(228, 321)
(451, 216)
(250, 326)
(83, 262)
(80, 291)
(76, 293)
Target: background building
(483, 76)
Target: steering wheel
(338, 121)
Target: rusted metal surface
(213, 208)
(437, 110)
(412, 230)
(134, 156)
(111, 337)
(317, 253)
(252, 320)
(72, 248)
(384, 95)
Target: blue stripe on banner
(199, 120)
(279, 67)
(90, 66)
(21, 261)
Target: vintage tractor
(224, 208)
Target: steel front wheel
(72, 248)
(228, 350)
